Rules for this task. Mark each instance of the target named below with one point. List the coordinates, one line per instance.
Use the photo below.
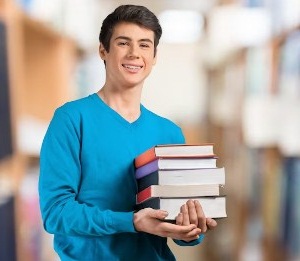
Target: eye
(123, 43)
(144, 45)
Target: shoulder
(158, 119)
(166, 127)
(76, 106)
(74, 110)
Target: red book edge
(144, 158)
(150, 155)
(143, 195)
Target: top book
(174, 151)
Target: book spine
(146, 169)
(144, 158)
(174, 191)
(150, 203)
(144, 195)
(148, 180)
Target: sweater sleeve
(59, 184)
(192, 243)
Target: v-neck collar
(115, 114)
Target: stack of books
(168, 175)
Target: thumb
(159, 214)
(211, 223)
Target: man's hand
(192, 213)
(151, 221)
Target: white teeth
(132, 67)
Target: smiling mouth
(132, 67)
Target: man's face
(131, 55)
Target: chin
(134, 83)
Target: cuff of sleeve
(123, 222)
(191, 243)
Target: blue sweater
(87, 186)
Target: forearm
(72, 218)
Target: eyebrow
(129, 39)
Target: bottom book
(213, 207)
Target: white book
(213, 207)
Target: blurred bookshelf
(39, 67)
(253, 116)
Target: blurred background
(228, 72)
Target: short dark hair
(136, 14)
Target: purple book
(175, 163)
(146, 169)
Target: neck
(126, 103)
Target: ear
(102, 52)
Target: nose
(133, 52)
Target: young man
(87, 185)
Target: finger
(201, 217)
(186, 235)
(194, 232)
(211, 223)
(192, 235)
(190, 239)
(176, 229)
(179, 219)
(185, 215)
(192, 212)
